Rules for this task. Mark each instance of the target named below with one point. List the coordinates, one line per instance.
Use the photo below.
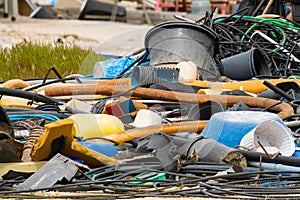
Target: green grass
(28, 60)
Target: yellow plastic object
(16, 102)
(96, 125)
(15, 83)
(252, 86)
(27, 167)
(62, 129)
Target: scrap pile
(206, 109)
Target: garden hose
(283, 109)
(132, 134)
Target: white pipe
(292, 124)
(276, 44)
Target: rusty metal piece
(267, 154)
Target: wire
(29, 95)
(288, 59)
(52, 68)
(14, 117)
(48, 83)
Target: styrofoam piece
(145, 117)
(270, 134)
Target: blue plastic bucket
(230, 127)
(101, 147)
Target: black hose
(278, 91)
(56, 72)
(28, 95)
(255, 156)
(48, 83)
(258, 7)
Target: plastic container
(148, 75)
(145, 118)
(187, 72)
(101, 147)
(273, 136)
(177, 41)
(111, 68)
(96, 125)
(245, 65)
(231, 126)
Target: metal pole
(14, 10)
(5, 14)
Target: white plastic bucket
(273, 137)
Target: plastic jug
(96, 125)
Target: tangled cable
(276, 38)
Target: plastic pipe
(292, 124)
(252, 86)
(273, 166)
(283, 109)
(132, 134)
(276, 44)
(255, 156)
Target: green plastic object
(148, 176)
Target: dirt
(115, 38)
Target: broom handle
(267, 7)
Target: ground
(103, 36)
